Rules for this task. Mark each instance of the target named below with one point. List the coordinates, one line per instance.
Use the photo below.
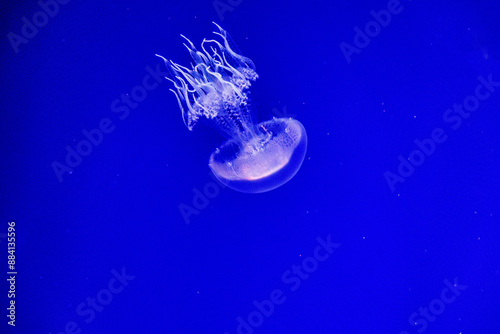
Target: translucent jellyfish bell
(256, 157)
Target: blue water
(391, 225)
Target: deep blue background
(119, 207)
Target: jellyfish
(256, 157)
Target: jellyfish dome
(257, 157)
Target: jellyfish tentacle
(242, 59)
(215, 86)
